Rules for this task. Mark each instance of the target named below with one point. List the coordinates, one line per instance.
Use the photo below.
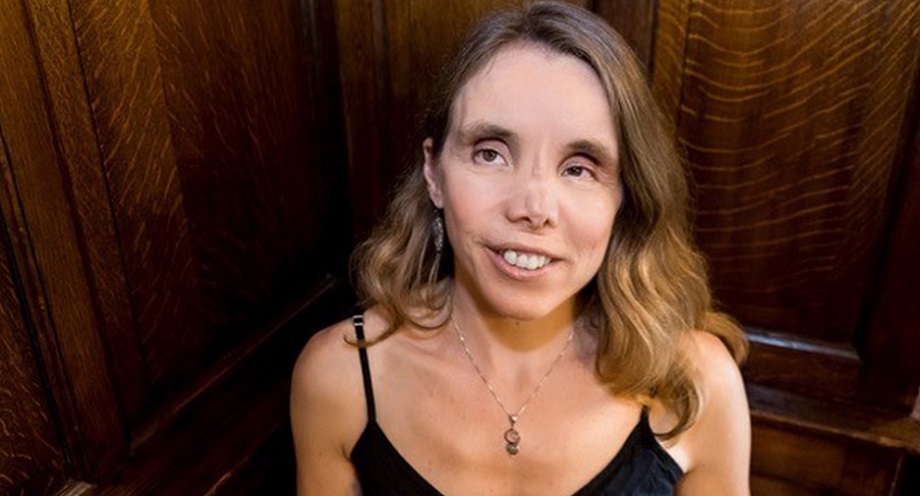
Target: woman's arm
(719, 443)
(326, 414)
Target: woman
(538, 321)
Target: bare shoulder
(327, 374)
(716, 373)
(327, 413)
(328, 365)
(721, 387)
(718, 443)
(327, 380)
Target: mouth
(524, 260)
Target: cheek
(591, 233)
(595, 237)
(594, 219)
(468, 202)
(462, 212)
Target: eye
(578, 171)
(488, 156)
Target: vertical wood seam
(75, 438)
(17, 274)
(99, 153)
(678, 121)
(653, 27)
(907, 147)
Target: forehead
(529, 88)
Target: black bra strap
(358, 323)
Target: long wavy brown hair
(652, 288)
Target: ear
(433, 176)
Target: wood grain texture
(171, 190)
(50, 254)
(237, 407)
(31, 456)
(803, 444)
(210, 119)
(805, 367)
(889, 129)
(235, 87)
(363, 74)
(82, 166)
(806, 445)
(790, 113)
(892, 338)
(635, 20)
(793, 463)
(123, 73)
(669, 48)
(839, 421)
(803, 462)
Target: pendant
(512, 437)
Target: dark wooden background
(181, 183)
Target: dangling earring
(438, 227)
(437, 235)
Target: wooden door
(173, 180)
(33, 456)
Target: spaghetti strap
(358, 323)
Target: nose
(534, 202)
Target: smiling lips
(524, 260)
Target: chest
(452, 431)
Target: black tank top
(641, 467)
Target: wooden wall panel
(887, 132)
(635, 20)
(173, 181)
(806, 463)
(362, 75)
(117, 42)
(81, 164)
(211, 148)
(670, 45)
(795, 463)
(790, 114)
(51, 252)
(232, 414)
(31, 456)
(796, 119)
(893, 332)
(829, 447)
(242, 150)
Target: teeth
(525, 261)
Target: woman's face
(528, 180)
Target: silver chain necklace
(512, 436)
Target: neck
(511, 347)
